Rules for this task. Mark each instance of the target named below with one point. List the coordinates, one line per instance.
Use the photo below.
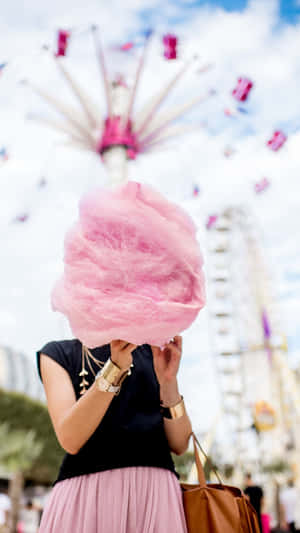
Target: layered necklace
(87, 356)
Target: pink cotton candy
(133, 269)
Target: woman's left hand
(166, 364)
(166, 361)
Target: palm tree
(19, 450)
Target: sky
(258, 39)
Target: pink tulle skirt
(125, 500)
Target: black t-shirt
(255, 494)
(131, 432)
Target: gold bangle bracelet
(109, 372)
(177, 411)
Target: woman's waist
(154, 472)
(125, 449)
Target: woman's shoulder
(66, 346)
(64, 352)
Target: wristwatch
(106, 386)
(107, 376)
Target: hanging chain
(88, 356)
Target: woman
(117, 412)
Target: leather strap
(200, 470)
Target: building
(19, 374)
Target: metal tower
(260, 401)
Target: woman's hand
(121, 353)
(166, 364)
(166, 361)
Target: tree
(183, 464)
(23, 413)
(19, 449)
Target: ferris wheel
(258, 393)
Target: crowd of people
(29, 515)
(288, 500)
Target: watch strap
(106, 386)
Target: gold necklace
(88, 356)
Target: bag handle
(200, 470)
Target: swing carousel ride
(121, 134)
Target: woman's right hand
(121, 353)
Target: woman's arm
(166, 365)
(178, 430)
(75, 421)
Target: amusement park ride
(259, 395)
(121, 134)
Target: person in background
(5, 507)
(29, 518)
(265, 522)
(255, 495)
(289, 498)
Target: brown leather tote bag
(216, 508)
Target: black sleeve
(56, 352)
